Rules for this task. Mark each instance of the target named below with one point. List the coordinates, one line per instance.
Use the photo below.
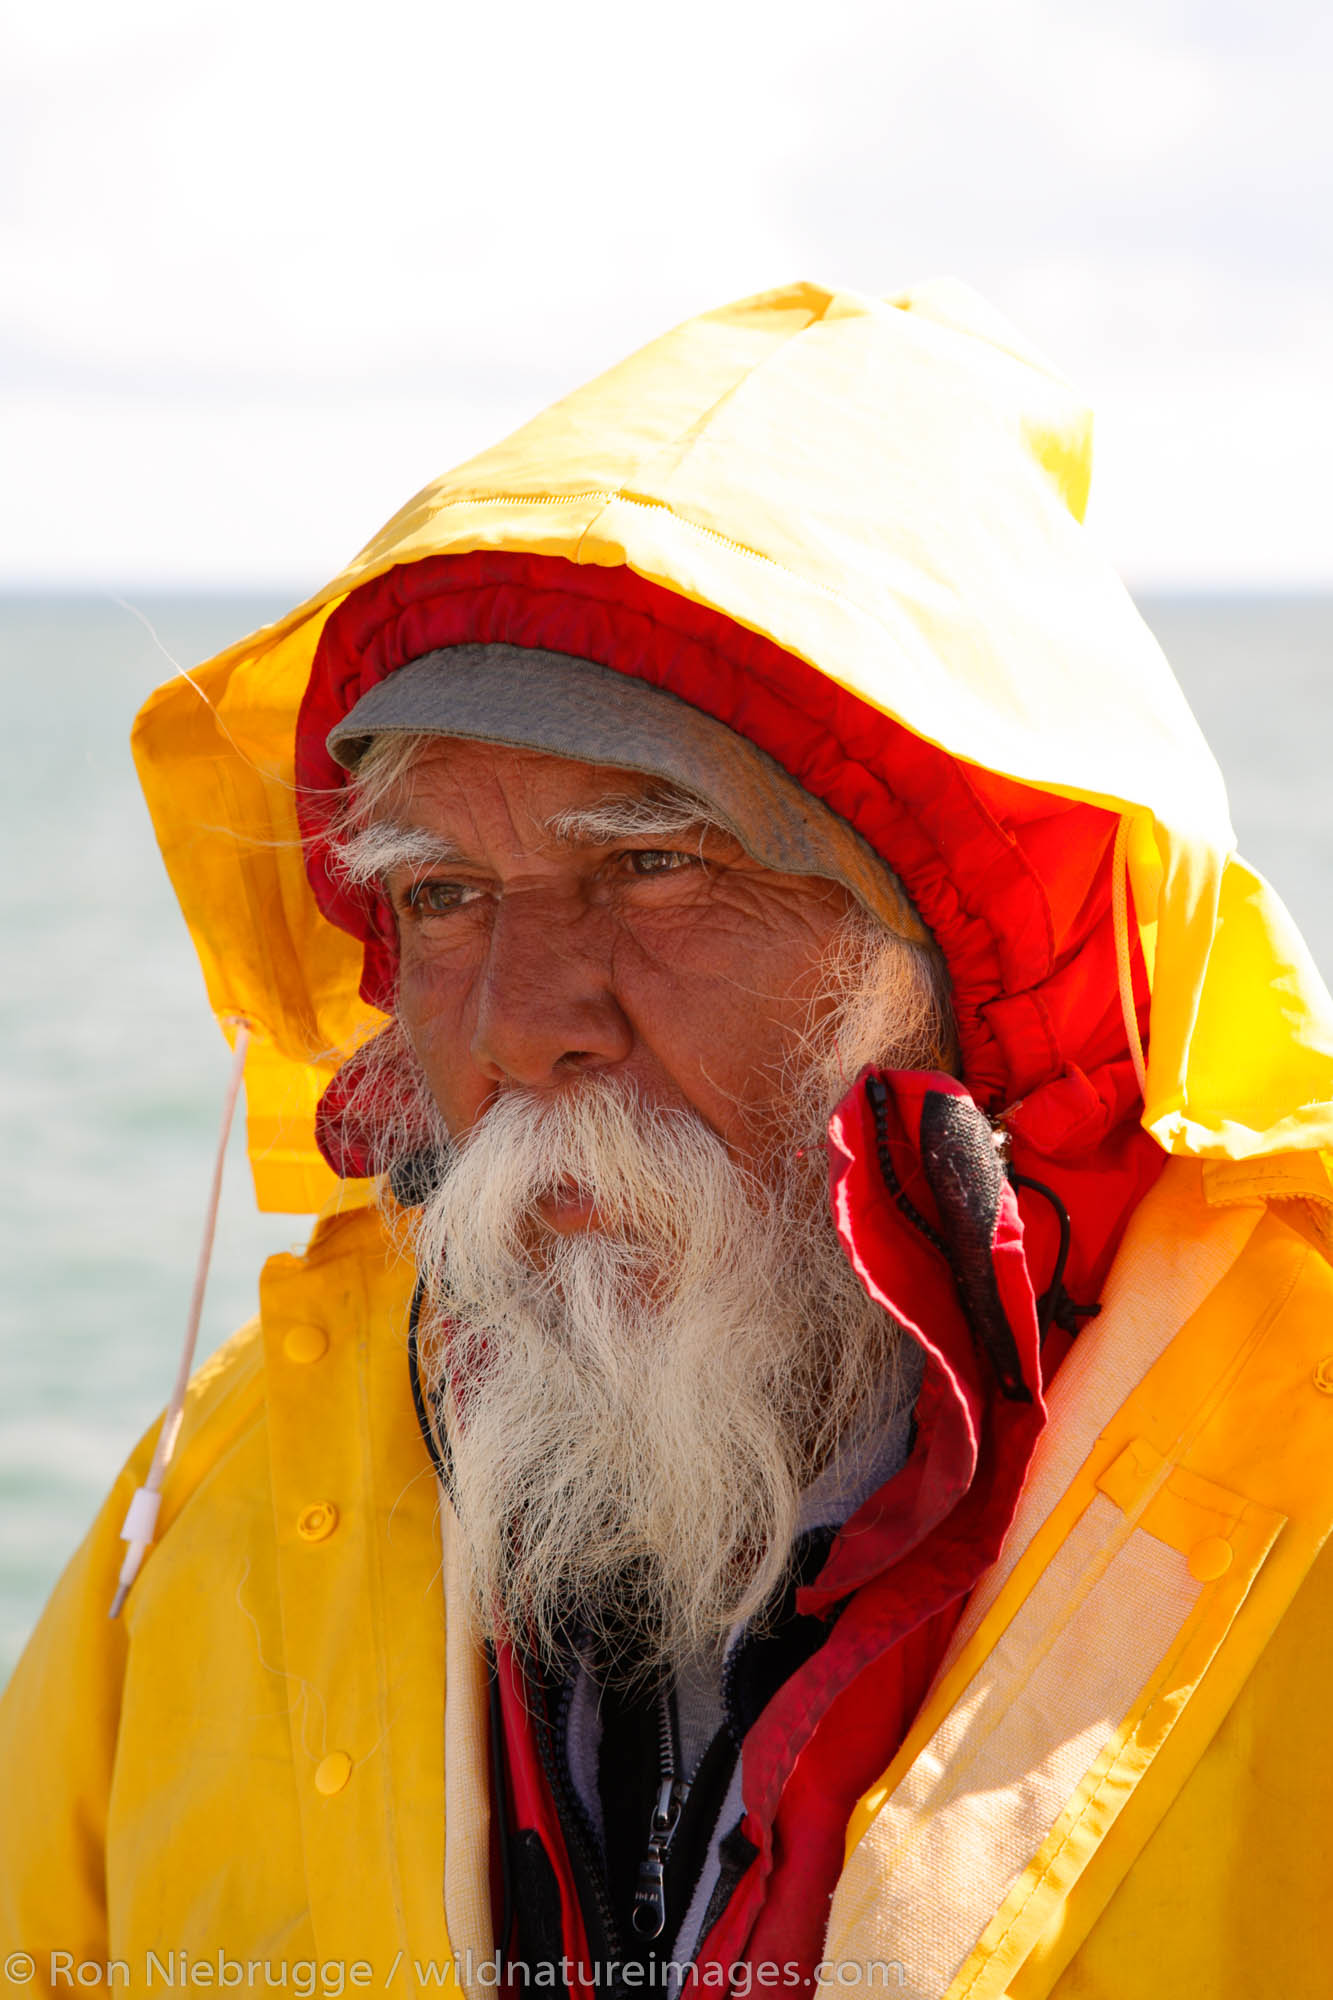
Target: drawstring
(500, 1793)
(1055, 1307)
(141, 1517)
(436, 1443)
(1124, 972)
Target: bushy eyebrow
(374, 851)
(664, 814)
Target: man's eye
(437, 899)
(660, 860)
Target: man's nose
(545, 1006)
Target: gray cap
(529, 699)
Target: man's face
(537, 951)
(641, 1326)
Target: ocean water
(112, 1072)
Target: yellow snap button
(317, 1520)
(333, 1773)
(1323, 1375)
(305, 1343)
(1210, 1559)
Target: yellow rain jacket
(1119, 1782)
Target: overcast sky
(267, 268)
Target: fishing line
(141, 1515)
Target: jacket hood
(850, 528)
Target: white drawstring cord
(1124, 972)
(141, 1518)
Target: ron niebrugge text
(307, 1977)
(333, 1977)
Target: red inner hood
(1014, 882)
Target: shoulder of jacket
(346, 1254)
(349, 1258)
(1297, 1189)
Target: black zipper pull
(650, 1913)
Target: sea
(112, 1072)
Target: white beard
(633, 1411)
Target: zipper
(569, 1811)
(650, 1912)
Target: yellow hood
(891, 492)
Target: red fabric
(1015, 885)
(779, 1912)
(531, 1805)
(358, 1107)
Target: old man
(796, 1453)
